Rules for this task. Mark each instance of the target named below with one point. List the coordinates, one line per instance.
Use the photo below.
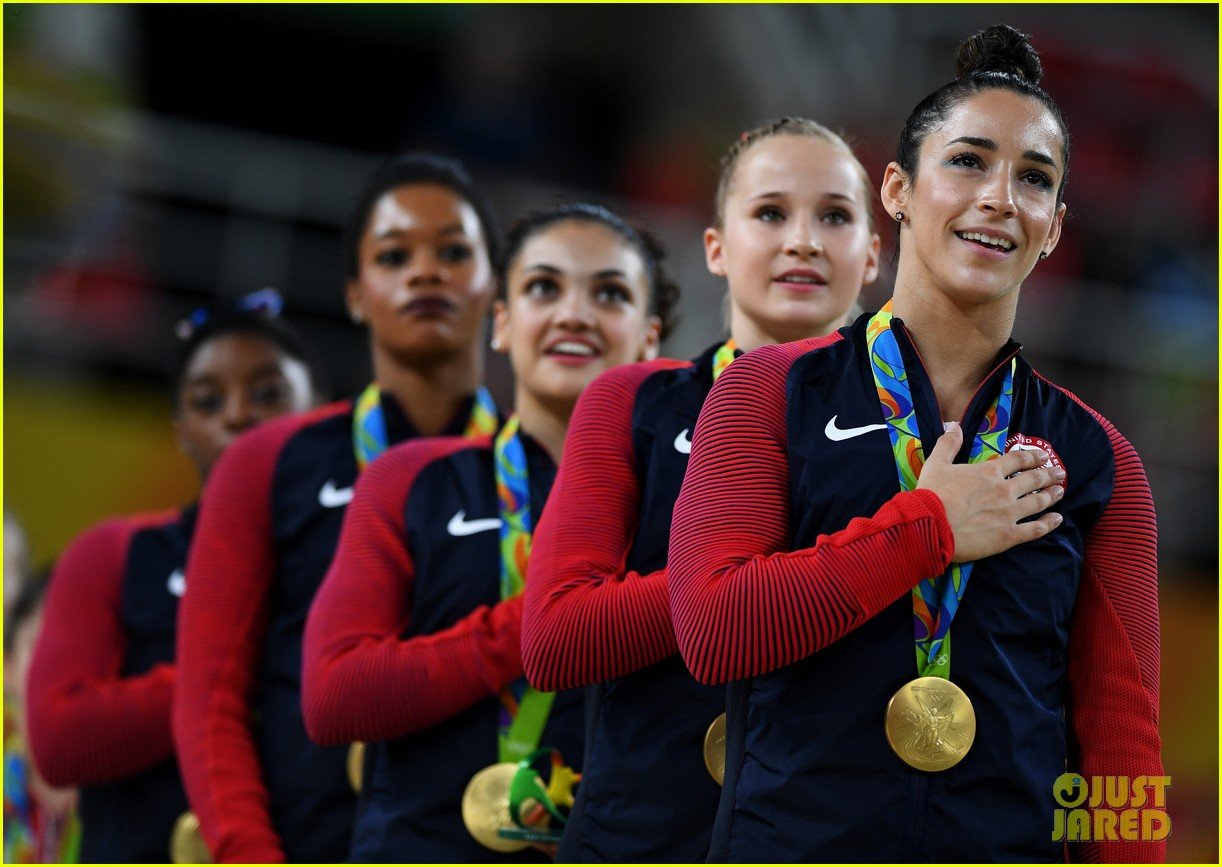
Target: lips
(429, 306)
(572, 350)
(988, 239)
(801, 279)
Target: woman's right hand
(985, 501)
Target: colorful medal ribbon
(524, 709)
(935, 600)
(369, 435)
(725, 353)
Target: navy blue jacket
(594, 599)
(113, 606)
(271, 519)
(821, 638)
(419, 567)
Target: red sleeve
(587, 618)
(1114, 650)
(361, 680)
(222, 621)
(87, 723)
(742, 603)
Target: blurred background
(157, 157)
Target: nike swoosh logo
(847, 433)
(177, 583)
(683, 443)
(460, 526)
(331, 497)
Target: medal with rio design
(930, 722)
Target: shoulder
(400, 466)
(626, 380)
(257, 450)
(1081, 422)
(772, 365)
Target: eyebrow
(989, 145)
(269, 369)
(780, 195)
(598, 275)
(394, 232)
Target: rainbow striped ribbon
(935, 600)
(369, 434)
(725, 354)
(524, 709)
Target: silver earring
(495, 343)
(1043, 256)
(899, 216)
(357, 317)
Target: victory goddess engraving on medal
(930, 723)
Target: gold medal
(715, 748)
(930, 723)
(485, 807)
(186, 843)
(356, 765)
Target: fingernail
(948, 426)
(1059, 474)
(1059, 491)
(1057, 519)
(1041, 455)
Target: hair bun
(999, 48)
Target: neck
(749, 334)
(547, 424)
(429, 394)
(958, 344)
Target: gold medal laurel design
(186, 843)
(356, 765)
(715, 748)
(485, 807)
(930, 723)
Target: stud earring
(495, 343)
(899, 216)
(1043, 256)
(357, 317)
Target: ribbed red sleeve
(742, 603)
(222, 620)
(587, 617)
(87, 723)
(361, 679)
(1114, 650)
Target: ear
(500, 327)
(1054, 233)
(714, 253)
(871, 272)
(653, 337)
(894, 191)
(354, 300)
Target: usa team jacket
(102, 679)
(597, 613)
(408, 646)
(792, 559)
(268, 526)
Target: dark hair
(996, 58)
(224, 319)
(663, 292)
(409, 169)
(786, 126)
(28, 602)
